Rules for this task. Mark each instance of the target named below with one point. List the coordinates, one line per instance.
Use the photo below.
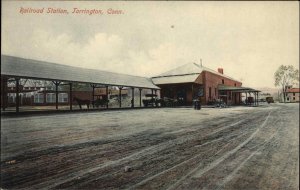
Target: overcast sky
(250, 40)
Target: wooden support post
(56, 95)
(93, 94)
(17, 95)
(4, 92)
(132, 100)
(155, 92)
(152, 96)
(140, 89)
(246, 98)
(120, 96)
(71, 97)
(231, 100)
(257, 99)
(56, 92)
(106, 97)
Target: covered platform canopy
(33, 69)
(235, 89)
(20, 68)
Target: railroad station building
(183, 84)
(192, 81)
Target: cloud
(248, 40)
(101, 51)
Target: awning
(236, 89)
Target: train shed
(13, 69)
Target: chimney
(220, 70)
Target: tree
(286, 75)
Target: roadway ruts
(211, 148)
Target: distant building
(292, 95)
(37, 96)
(263, 96)
(192, 81)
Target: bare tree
(286, 75)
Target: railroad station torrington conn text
(77, 11)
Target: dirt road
(231, 148)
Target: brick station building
(193, 81)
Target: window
(50, 97)
(294, 94)
(294, 98)
(39, 98)
(222, 81)
(234, 84)
(62, 97)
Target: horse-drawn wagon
(151, 100)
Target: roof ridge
(176, 75)
(184, 69)
(64, 65)
(45, 70)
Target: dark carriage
(100, 102)
(269, 99)
(151, 100)
(169, 102)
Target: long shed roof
(29, 68)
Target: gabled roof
(184, 74)
(187, 69)
(29, 68)
(175, 79)
(293, 90)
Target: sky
(249, 40)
